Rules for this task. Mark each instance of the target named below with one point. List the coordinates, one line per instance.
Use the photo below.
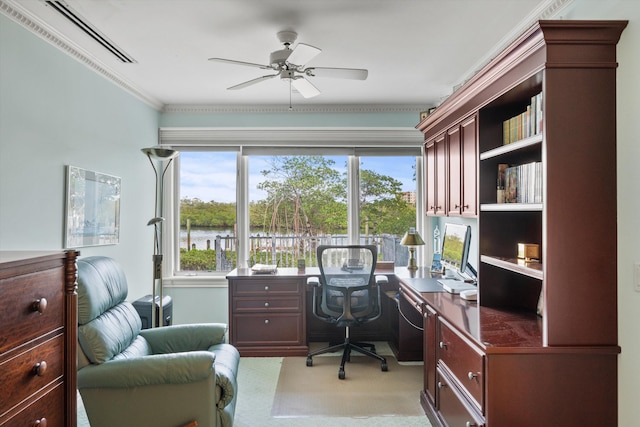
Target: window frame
(352, 142)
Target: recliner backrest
(107, 324)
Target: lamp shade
(160, 153)
(411, 238)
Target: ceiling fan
(289, 65)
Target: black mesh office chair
(347, 294)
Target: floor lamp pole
(160, 154)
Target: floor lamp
(161, 155)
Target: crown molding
(309, 108)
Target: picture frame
(92, 216)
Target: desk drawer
(464, 360)
(452, 406)
(277, 329)
(267, 304)
(267, 286)
(28, 372)
(19, 316)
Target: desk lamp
(159, 154)
(412, 239)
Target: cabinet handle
(441, 385)
(471, 376)
(40, 368)
(266, 304)
(426, 314)
(266, 288)
(456, 207)
(471, 424)
(443, 345)
(42, 422)
(39, 305)
(266, 321)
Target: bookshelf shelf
(510, 148)
(511, 207)
(531, 269)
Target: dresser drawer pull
(42, 422)
(266, 288)
(40, 368)
(472, 376)
(471, 424)
(266, 304)
(266, 321)
(39, 305)
(443, 345)
(441, 385)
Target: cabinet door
(454, 172)
(469, 170)
(430, 178)
(441, 175)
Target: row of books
(522, 183)
(525, 124)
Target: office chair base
(348, 346)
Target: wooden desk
(271, 315)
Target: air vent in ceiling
(90, 30)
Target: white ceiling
(416, 51)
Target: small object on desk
(455, 286)
(469, 295)
(264, 268)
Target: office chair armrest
(381, 280)
(313, 281)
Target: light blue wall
(54, 111)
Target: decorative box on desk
(143, 307)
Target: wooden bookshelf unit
(565, 374)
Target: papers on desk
(264, 268)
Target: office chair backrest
(347, 275)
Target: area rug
(366, 391)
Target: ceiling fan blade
(248, 64)
(302, 54)
(252, 82)
(338, 73)
(305, 87)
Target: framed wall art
(92, 208)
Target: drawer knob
(266, 321)
(471, 424)
(42, 422)
(40, 368)
(266, 288)
(426, 314)
(472, 376)
(441, 385)
(266, 304)
(39, 305)
(443, 345)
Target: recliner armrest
(179, 368)
(179, 338)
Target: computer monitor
(455, 247)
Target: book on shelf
(523, 183)
(524, 125)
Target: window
(239, 204)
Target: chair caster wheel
(384, 367)
(309, 361)
(341, 374)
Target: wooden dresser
(38, 314)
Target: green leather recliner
(169, 376)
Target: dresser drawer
(48, 406)
(27, 372)
(465, 361)
(267, 286)
(452, 406)
(278, 329)
(268, 304)
(20, 299)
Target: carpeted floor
(366, 391)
